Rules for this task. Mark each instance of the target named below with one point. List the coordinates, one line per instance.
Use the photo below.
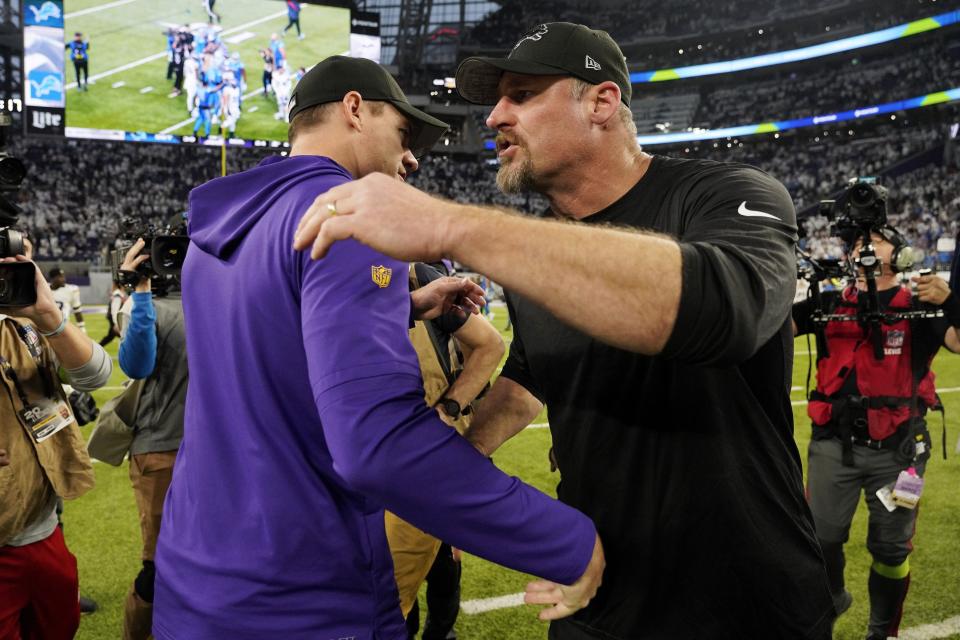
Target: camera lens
(12, 172)
(862, 195)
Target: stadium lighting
(940, 97)
(805, 53)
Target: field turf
(102, 530)
(129, 33)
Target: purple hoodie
(305, 418)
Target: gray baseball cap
(336, 76)
(551, 49)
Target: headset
(903, 257)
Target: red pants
(39, 591)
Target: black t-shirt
(686, 461)
(928, 334)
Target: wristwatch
(451, 407)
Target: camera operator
(867, 415)
(42, 457)
(152, 347)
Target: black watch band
(451, 407)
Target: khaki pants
(150, 475)
(413, 554)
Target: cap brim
(425, 129)
(477, 78)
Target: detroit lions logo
(50, 84)
(534, 34)
(47, 10)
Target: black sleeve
(450, 322)
(516, 367)
(739, 266)
(931, 335)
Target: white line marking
(472, 607)
(146, 90)
(942, 629)
(102, 7)
(240, 37)
(163, 54)
(173, 128)
(252, 109)
(117, 85)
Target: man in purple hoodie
(305, 413)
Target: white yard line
(101, 7)
(935, 631)
(472, 607)
(163, 54)
(942, 629)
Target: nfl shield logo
(381, 276)
(895, 338)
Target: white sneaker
(301, 36)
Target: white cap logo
(592, 64)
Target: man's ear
(350, 109)
(604, 102)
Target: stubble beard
(515, 176)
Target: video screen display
(185, 70)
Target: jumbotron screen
(193, 71)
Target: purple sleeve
(389, 445)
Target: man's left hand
(381, 212)
(445, 294)
(44, 312)
(931, 289)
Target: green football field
(128, 64)
(102, 529)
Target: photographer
(42, 457)
(153, 348)
(867, 415)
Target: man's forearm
(477, 370)
(621, 287)
(504, 412)
(73, 348)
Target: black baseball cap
(551, 49)
(336, 76)
(56, 271)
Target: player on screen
(212, 16)
(79, 49)
(230, 109)
(191, 79)
(268, 66)
(278, 51)
(203, 110)
(293, 16)
(281, 89)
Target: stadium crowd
(818, 89)
(729, 30)
(75, 211)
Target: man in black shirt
(651, 316)
(867, 415)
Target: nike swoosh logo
(748, 213)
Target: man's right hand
(567, 600)
(4, 458)
(134, 259)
